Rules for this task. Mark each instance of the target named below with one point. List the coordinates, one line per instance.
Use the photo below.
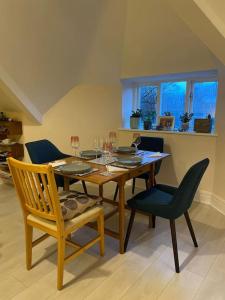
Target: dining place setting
(105, 158)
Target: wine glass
(75, 143)
(113, 138)
(137, 140)
(96, 145)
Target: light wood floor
(146, 271)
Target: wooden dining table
(120, 177)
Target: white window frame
(188, 98)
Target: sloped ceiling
(206, 18)
(49, 46)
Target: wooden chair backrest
(36, 188)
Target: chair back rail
(36, 188)
(185, 193)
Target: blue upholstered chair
(155, 144)
(43, 151)
(169, 203)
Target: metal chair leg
(133, 185)
(131, 221)
(186, 214)
(84, 186)
(153, 221)
(174, 242)
(146, 184)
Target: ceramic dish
(75, 168)
(90, 154)
(124, 149)
(129, 161)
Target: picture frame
(166, 122)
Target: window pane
(204, 99)
(173, 99)
(148, 100)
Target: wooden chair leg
(131, 221)
(29, 238)
(174, 242)
(100, 222)
(186, 214)
(133, 185)
(116, 193)
(61, 254)
(84, 186)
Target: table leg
(121, 184)
(151, 178)
(101, 191)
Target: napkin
(155, 154)
(57, 163)
(115, 169)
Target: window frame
(188, 107)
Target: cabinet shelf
(10, 129)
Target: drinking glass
(75, 143)
(96, 145)
(113, 138)
(137, 140)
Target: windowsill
(192, 133)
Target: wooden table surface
(120, 177)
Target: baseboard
(211, 199)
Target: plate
(124, 149)
(7, 144)
(130, 161)
(75, 168)
(90, 154)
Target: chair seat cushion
(69, 225)
(153, 201)
(74, 204)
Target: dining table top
(97, 177)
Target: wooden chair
(170, 203)
(37, 191)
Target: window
(172, 96)
(177, 97)
(148, 103)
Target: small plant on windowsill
(167, 113)
(185, 119)
(148, 119)
(135, 119)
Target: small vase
(135, 122)
(185, 126)
(147, 125)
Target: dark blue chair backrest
(43, 151)
(155, 144)
(185, 193)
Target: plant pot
(147, 125)
(185, 126)
(135, 122)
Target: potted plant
(148, 119)
(185, 119)
(135, 119)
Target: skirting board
(211, 199)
